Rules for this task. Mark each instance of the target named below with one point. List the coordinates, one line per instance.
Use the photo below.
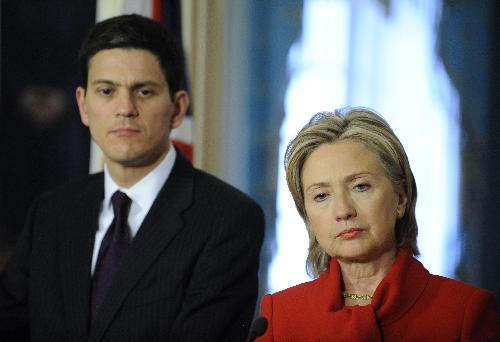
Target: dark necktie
(113, 245)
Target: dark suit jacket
(190, 273)
(409, 304)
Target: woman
(352, 184)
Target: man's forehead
(138, 65)
(114, 53)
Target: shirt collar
(144, 192)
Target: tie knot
(120, 202)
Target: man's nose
(126, 105)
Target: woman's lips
(349, 233)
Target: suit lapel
(160, 226)
(76, 235)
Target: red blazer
(409, 304)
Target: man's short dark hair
(133, 31)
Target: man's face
(128, 108)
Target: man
(184, 268)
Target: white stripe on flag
(108, 8)
(142, 7)
(184, 132)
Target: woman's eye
(320, 197)
(361, 187)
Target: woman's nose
(344, 208)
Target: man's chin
(135, 160)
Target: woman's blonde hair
(365, 126)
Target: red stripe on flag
(157, 10)
(185, 148)
(168, 13)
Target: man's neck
(127, 176)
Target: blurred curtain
(237, 54)
(469, 43)
(43, 142)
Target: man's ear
(181, 105)
(82, 107)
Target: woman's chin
(360, 253)
(355, 251)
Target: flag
(167, 12)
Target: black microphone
(258, 328)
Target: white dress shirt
(142, 194)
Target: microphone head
(258, 328)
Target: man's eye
(320, 197)
(361, 187)
(145, 92)
(105, 91)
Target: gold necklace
(354, 296)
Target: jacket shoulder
(299, 295)
(75, 186)
(210, 189)
(78, 192)
(460, 289)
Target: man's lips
(349, 233)
(124, 131)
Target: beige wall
(203, 34)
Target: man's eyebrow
(145, 83)
(135, 85)
(102, 80)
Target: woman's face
(351, 205)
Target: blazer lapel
(160, 226)
(76, 235)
